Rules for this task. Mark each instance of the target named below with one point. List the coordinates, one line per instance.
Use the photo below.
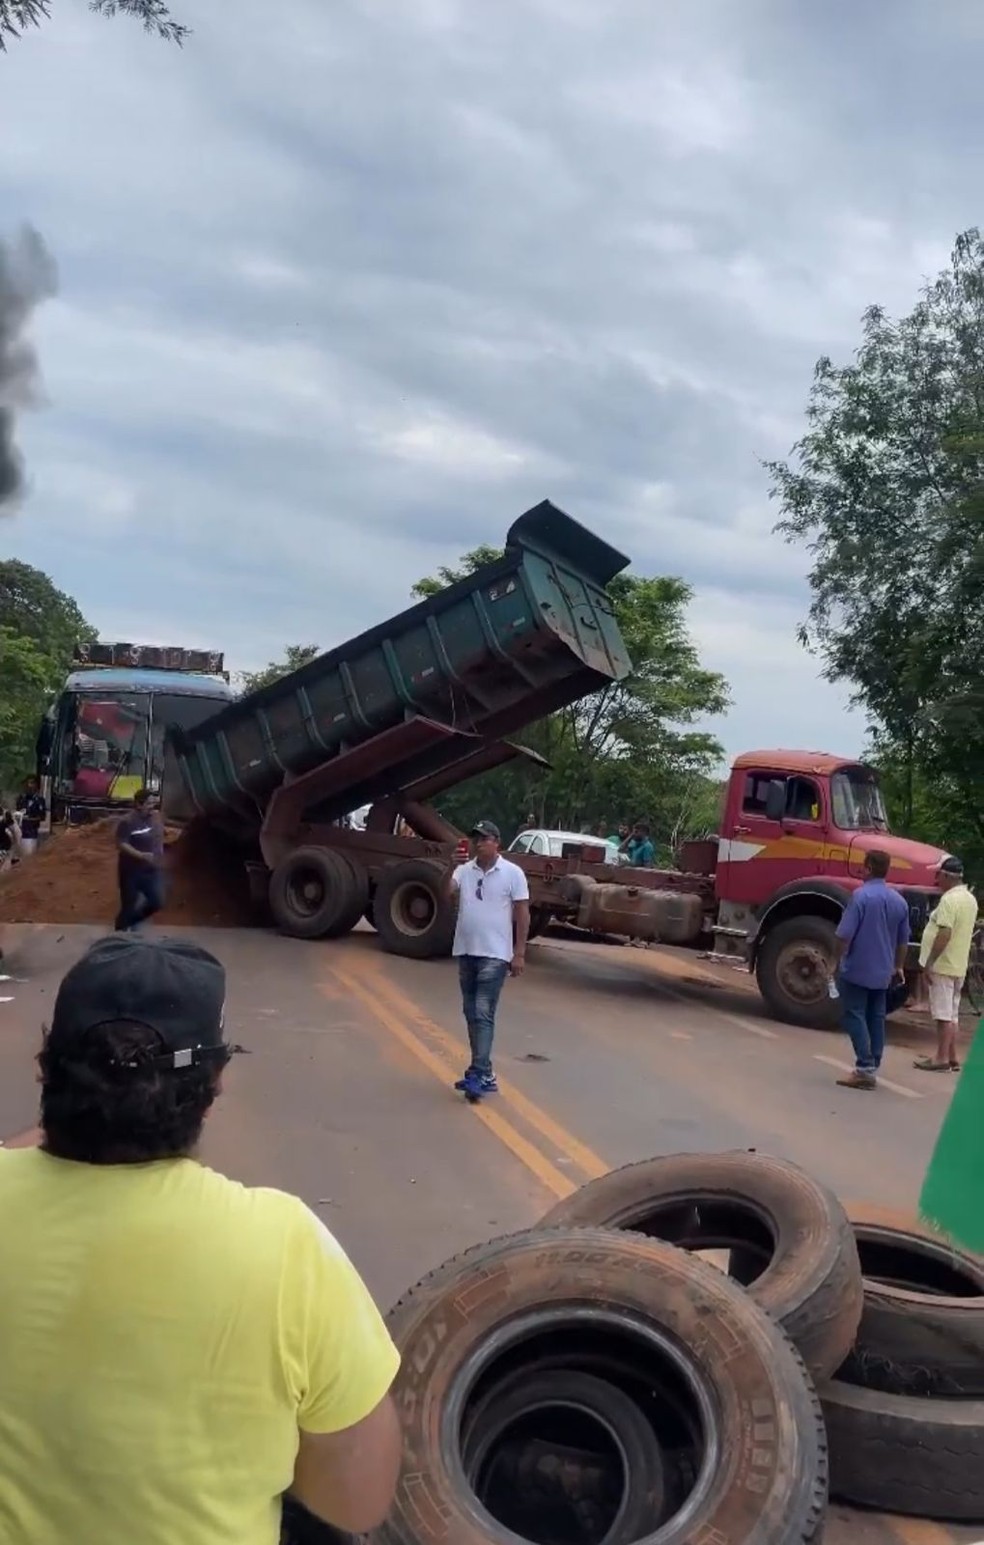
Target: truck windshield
(857, 801)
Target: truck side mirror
(775, 800)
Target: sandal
(954, 1067)
(930, 1065)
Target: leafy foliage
(39, 628)
(16, 15)
(295, 655)
(628, 752)
(886, 489)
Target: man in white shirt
(493, 901)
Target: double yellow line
(559, 1160)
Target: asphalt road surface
(604, 1055)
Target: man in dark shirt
(140, 847)
(871, 945)
(34, 810)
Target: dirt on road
(73, 880)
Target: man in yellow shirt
(176, 1351)
(944, 956)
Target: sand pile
(72, 879)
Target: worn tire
(922, 1325)
(901, 1454)
(818, 1013)
(766, 1472)
(812, 1282)
(644, 1498)
(403, 887)
(344, 888)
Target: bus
(104, 735)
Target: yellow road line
(589, 1162)
(919, 1531)
(545, 1172)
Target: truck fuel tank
(673, 917)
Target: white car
(550, 844)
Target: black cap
(168, 985)
(486, 829)
(950, 865)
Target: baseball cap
(950, 865)
(486, 829)
(170, 986)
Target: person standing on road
(177, 1350)
(33, 810)
(489, 945)
(944, 956)
(140, 852)
(872, 939)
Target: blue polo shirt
(876, 925)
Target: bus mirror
(775, 800)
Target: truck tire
(413, 917)
(900, 1454)
(922, 1325)
(316, 893)
(606, 1412)
(494, 1310)
(790, 1240)
(791, 976)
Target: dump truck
(430, 698)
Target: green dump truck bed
(514, 641)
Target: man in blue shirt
(639, 847)
(870, 951)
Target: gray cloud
(343, 296)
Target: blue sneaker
(468, 1078)
(487, 1084)
(471, 1087)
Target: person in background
(140, 862)
(621, 836)
(638, 847)
(33, 810)
(870, 948)
(945, 956)
(489, 945)
(8, 839)
(178, 1350)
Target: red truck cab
(797, 826)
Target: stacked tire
(596, 1382)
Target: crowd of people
(20, 828)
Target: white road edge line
(743, 1024)
(846, 1067)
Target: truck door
(774, 832)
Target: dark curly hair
(105, 1100)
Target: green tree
(39, 629)
(631, 750)
(155, 16)
(886, 490)
(295, 655)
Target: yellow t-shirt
(164, 1332)
(956, 910)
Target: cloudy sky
(342, 295)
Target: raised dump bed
(406, 700)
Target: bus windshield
(857, 800)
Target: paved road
(606, 1055)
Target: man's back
(876, 922)
(164, 1334)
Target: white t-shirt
(485, 908)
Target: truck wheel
(316, 893)
(790, 1242)
(539, 918)
(573, 1294)
(412, 915)
(792, 972)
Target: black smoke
(27, 277)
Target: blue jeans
(863, 1017)
(482, 980)
(141, 895)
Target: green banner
(952, 1199)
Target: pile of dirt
(72, 879)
